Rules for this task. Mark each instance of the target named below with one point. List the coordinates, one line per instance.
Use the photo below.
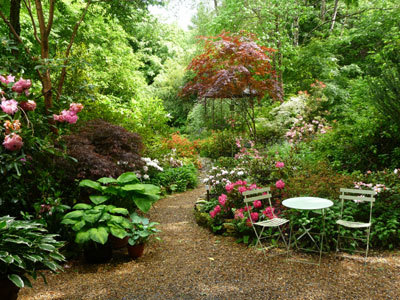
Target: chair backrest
(357, 196)
(257, 194)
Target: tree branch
(51, 17)
(68, 50)
(14, 32)
(29, 8)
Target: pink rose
(28, 105)
(222, 199)
(254, 216)
(280, 184)
(279, 164)
(13, 142)
(257, 204)
(9, 106)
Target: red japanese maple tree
(232, 66)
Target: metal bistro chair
(262, 194)
(358, 196)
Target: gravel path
(191, 263)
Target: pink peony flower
(257, 204)
(254, 216)
(21, 86)
(279, 164)
(9, 106)
(13, 142)
(222, 199)
(280, 184)
(29, 105)
(242, 189)
(75, 107)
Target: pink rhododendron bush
(27, 140)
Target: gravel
(192, 263)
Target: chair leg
(337, 240)
(366, 252)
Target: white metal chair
(345, 220)
(262, 195)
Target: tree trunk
(216, 6)
(323, 10)
(296, 30)
(15, 8)
(335, 10)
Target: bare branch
(68, 50)
(29, 8)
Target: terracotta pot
(118, 243)
(8, 290)
(135, 251)
(95, 253)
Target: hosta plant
(95, 222)
(25, 248)
(126, 191)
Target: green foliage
(220, 143)
(177, 179)
(26, 249)
(126, 191)
(141, 229)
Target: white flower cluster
(149, 163)
(222, 176)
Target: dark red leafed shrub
(103, 149)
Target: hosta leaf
(82, 237)
(99, 235)
(98, 199)
(3, 224)
(143, 204)
(68, 221)
(26, 281)
(127, 177)
(79, 225)
(57, 256)
(3, 253)
(16, 280)
(92, 217)
(106, 180)
(82, 206)
(118, 232)
(119, 210)
(133, 187)
(18, 261)
(73, 214)
(91, 184)
(7, 259)
(47, 247)
(51, 265)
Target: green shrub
(177, 179)
(220, 143)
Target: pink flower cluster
(70, 115)
(13, 142)
(269, 212)
(280, 184)
(22, 86)
(280, 164)
(302, 130)
(215, 212)
(222, 199)
(10, 107)
(378, 188)
(242, 186)
(7, 80)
